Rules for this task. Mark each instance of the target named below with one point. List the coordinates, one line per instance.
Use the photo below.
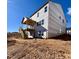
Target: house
(48, 21)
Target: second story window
(38, 24)
(45, 9)
(42, 22)
(63, 20)
(37, 14)
(59, 17)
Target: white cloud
(69, 11)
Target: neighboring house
(68, 30)
(49, 21)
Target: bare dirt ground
(38, 49)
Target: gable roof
(39, 9)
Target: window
(45, 10)
(37, 14)
(60, 30)
(63, 20)
(38, 23)
(59, 17)
(40, 33)
(42, 22)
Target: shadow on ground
(65, 37)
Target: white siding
(55, 24)
(42, 15)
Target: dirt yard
(38, 49)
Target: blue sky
(17, 9)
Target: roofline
(39, 9)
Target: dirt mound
(65, 37)
(39, 49)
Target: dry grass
(38, 49)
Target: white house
(48, 21)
